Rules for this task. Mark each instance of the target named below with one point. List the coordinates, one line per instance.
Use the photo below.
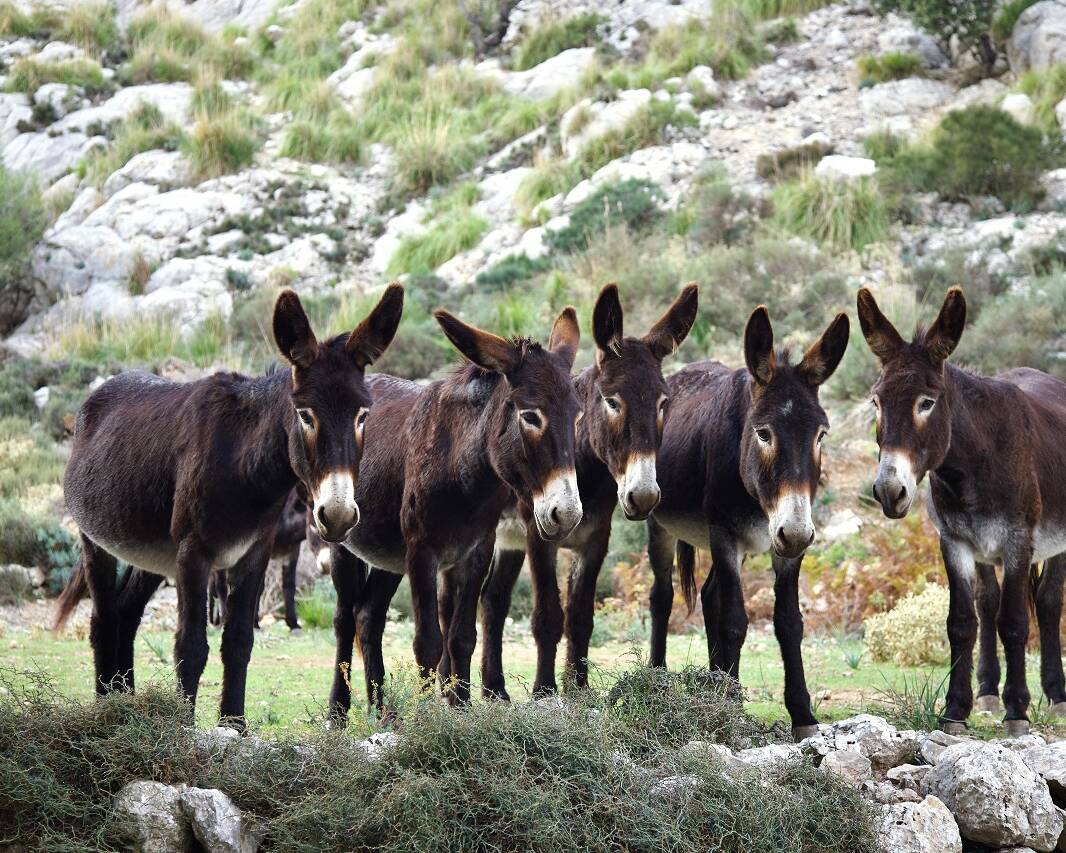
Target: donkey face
(626, 416)
(913, 412)
(330, 404)
(781, 448)
(532, 449)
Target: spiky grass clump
(553, 37)
(453, 234)
(144, 129)
(838, 214)
(167, 48)
(28, 75)
(225, 136)
(894, 65)
(1046, 88)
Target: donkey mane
(470, 372)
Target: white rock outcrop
(925, 827)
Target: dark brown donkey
(738, 468)
(441, 464)
(994, 453)
(182, 479)
(624, 402)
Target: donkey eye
(821, 435)
(360, 419)
(764, 435)
(306, 418)
(531, 418)
(577, 418)
(925, 405)
(612, 404)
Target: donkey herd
(456, 482)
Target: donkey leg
(462, 632)
(547, 618)
(370, 617)
(422, 575)
(711, 603)
(962, 633)
(447, 584)
(1013, 625)
(1049, 615)
(788, 627)
(288, 588)
(260, 588)
(495, 602)
(348, 573)
(988, 642)
(238, 634)
(661, 556)
(190, 642)
(216, 598)
(137, 588)
(733, 624)
(581, 604)
(99, 568)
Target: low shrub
(221, 143)
(790, 163)
(144, 129)
(780, 31)
(422, 253)
(337, 140)
(961, 24)
(1046, 87)
(912, 632)
(316, 607)
(715, 211)
(553, 37)
(895, 65)
(838, 214)
(28, 75)
(168, 47)
(634, 203)
(510, 270)
(644, 129)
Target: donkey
(993, 450)
(624, 403)
(739, 466)
(180, 480)
(291, 531)
(441, 464)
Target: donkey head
(781, 448)
(532, 445)
(330, 404)
(624, 416)
(913, 412)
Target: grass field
(290, 675)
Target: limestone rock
(171, 99)
(217, 822)
(853, 767)
(588, 120)
(1019, 106)
(15, 108)
(46, 155)
(166, 170)
(153, 811)
(914, 95)
(995, 797)
(882, 743)
(551, 76)
(769, 756)
(1050, 762)
(838, 167)
(1038, 40)
(925, 827)
(931, 745)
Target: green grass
(895, 65)
(423, 253)
(28, 75)
(1046, 88)
(225, 136)
(765, 9)
(1007, 16)
(144, 129)
(142, 341)
(22, 221)
(837, 214)
(553, 37)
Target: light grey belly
(160, 558)
(693, 529)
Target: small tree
(964, 24)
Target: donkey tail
(686, 569)
(76, 589)
(1034, 585)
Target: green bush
(789, 163)
(644, 129)
(511, 269)
(579, 775)
(912, 632)
(716, 212)
(1007, 16)
(974, 152)
(633, 203)
(780, 31)
(423, 253)
(222, 143)
(337, 140)
(838, 214)
(552, 38)
(28, 75)
(964, 24)
(316, 608)
(894, 65)
(1046, 88)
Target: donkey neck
(477, 416)
(584, 449)
(262, 442)
(974, 425)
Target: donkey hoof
(954, 727)
(1058, 709)
(1016, 728)
(800, 733)
(988, 704)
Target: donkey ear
(943, 336)
(759, 346)
(881, 336)
(673, 327)
(607, 320)
(292, 331)
(565, 336)
(822, 358)
(372, 337)
(486, 350)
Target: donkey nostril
(902, 493)
(810, 538)
(320, 515)
(781, 533)
(555, 515)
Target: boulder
(166, 170)
(769, 756)
(913, 96)
(996, 799)
(837, 167)
(1019, 106)
(881, 742)
(217, 823)
(907, 39)
(1050, 762)
(15, 108)
(1060, 113)
(853, 767)
(59, 51)
(551, 76)
(588, 120)
(212, 15)
(925, 827)
(378, 743)
(171, 99)
(1038, 40)
(931, 745)
(353, 80)
(152, 812)
(908, 775)
(702, 77)
(46, 155)
(59, 98)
